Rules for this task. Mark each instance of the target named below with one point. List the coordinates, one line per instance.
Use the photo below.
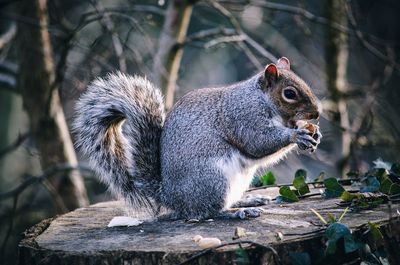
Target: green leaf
(320, 177)
(332, 188)
(347, 196)
(331, 218)
(388, 187)
(379, 173)
(268, 179)
(336, 231)
(372, 184)
(300, 173)
(299, 258)
(287, 194)
(300, 184)
(353, 174)
(375, 232)
(256, 182)
(350, 245)
(385, 185)
(395, 169)
(242, 257)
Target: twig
(224, 39)
(20, 140)
(108, 24)
(38, 179)
(246, 38)
(10, 227)
(251, 243)
(295, 10)
(8, 35)
(364, 42)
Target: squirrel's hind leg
(241, 213)
(252, 200)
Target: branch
(239, 31)
(8, 35)
(48, 173)
(305, 14)
(8, 83)
(108, 24)
(21, 138)
(208, 33)
(365, 43)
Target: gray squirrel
(199, 159)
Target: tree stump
(292, 230)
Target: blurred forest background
(50, 50)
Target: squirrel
(199, 159)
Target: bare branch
(224, 39)
(8, 35)
(17, 143)
(108, 24)
(209, 33)
(295, 10)
(8, 83)
(48, 173)
(365, 43)
(169, 55)
(236, 25)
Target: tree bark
(42, 102)
(82, 236)
(169, 54)
(336, 66)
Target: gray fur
(125, 157)
(211, 144)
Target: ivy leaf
(332, 188)
(299, 258)
(352, 174)
(375, 232)
(242, 257)
(372, 184)
(268, 179)
(300, 173)
(336, 231)
(320, 176)
(395, 169)
(347, 196)
(331, 218)
(300, 184)
(287, 194)
(388, 187)
(350, 245)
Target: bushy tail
(118, 126)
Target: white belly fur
(240, 170)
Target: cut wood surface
(82, 236)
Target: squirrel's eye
(289, 94)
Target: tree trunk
(42, 102)
(170, 51)
(82, 236)
(336, 67)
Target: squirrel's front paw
(305, 141)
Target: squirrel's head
(292, 96)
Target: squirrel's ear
(271, 73)
(284, 63)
